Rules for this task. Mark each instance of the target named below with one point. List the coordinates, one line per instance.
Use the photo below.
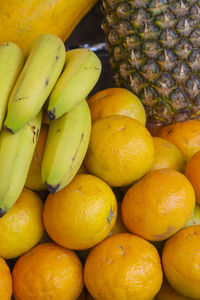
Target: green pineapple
(155, 52)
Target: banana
(16, 152)
(67, 143)
(40, 73)
(11, 63)
(81, 73)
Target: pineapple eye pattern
(155, 50)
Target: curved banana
(11, 63)
(38, 77)
(67, 143)
(81, 73)
(16, 152)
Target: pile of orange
(127, 227)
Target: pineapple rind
(155, 52)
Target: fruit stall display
(100, 150)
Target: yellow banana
(16, 152)
(38, 77)
(11, 63)
(67, 143)
(81, 73)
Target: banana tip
(2, 213)
(9, 129)
(51, 115)
(52, 188)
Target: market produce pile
(93, 205)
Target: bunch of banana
(11, 63)
(16, 152)
(67, 143)
(34, 84)
(70, 128)
(25, 88)
(81, 72)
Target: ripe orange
(82, 214)
(185, 135)
(167, 155)
(5, 281)
(123, 266)
(192, 172)
(34, 178)
(120, 151)
(181, 261)
(168, 293)
(48, 271)
(22, 226)
(116, 101)
(158, 205)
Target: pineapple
(155, 52)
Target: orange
(123, 267)
(116, 101)
(192, 172)
(158, 205)
(181, 261)
(34, 178)
(82, 214)
(185, 135)
(48, 271)
(168, 293)
(5, 281)
(120, 151)
(22, 226)
(119, 225)
(167, 155)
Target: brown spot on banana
(35, 133)
(21, 98)
(75, 154)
